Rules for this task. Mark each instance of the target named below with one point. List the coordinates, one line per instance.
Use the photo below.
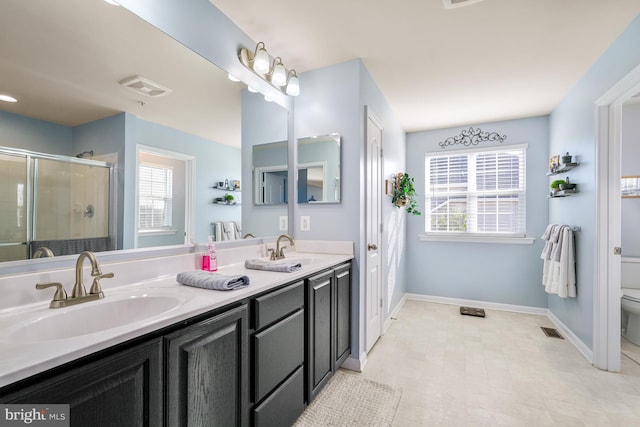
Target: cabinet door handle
(372, 247)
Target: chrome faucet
(279, 251)
(42, 251)
(79, 293)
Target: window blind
(155, 197)
(479, 192)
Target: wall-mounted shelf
(225, 203)
(564, 168)
(226, 189)
(562, 193)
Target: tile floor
(500, 370)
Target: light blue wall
(23, 132)
(572, 128)
(213, 162)
(106, 136)
(262, 122)
(502, 273)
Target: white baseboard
(586, 352)
(480, 304)
(573, 338)
(353, 364)
(393, 313)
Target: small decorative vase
(566, 159)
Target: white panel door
(374, 315)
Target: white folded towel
(283, 266)
(208, 280)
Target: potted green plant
(555, 185)
(404, 192)
(228, 198)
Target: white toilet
(630, 276)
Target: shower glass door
(13, 207)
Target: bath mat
(472, 311)
(350, 400)
(551, 332)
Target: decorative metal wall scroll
(472, 137)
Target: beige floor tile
(500, 370)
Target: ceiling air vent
(450, 4)
(144, 86)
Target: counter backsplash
(20, 289)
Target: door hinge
(380, 302)
(381, 228)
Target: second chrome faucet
(79, 293)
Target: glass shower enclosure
(54, 205)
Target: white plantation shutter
(155, 195)
(476, 192)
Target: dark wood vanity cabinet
(278, 356)
(207, 372)
(257, 362)
(328, 323)
(120, 390)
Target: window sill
(478, 239)
(157, 232)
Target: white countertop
(19, 360)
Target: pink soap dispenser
(210, 260)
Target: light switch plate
(305, 223)
(284, 223)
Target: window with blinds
(476, 192)
(155, 197)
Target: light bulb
(293, 87)
(261, 60)
(279, 73)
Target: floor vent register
(472, 311)
(551, 332)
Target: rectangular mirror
(67, 76)
(319, 169)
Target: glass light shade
(261, 61)
(293, 87)
(233, 78)
(279, 76)
(252, 90)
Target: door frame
(606, 297)
(369, 115)
(190, 177)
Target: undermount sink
(89, 318)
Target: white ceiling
(437, 67)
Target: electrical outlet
(284, 223)
(305, 223)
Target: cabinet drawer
(285, 405)
(279, 350)
(278, 304)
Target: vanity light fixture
(274, 72)
(7, 98)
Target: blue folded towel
(209, 280)
(283, 266)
